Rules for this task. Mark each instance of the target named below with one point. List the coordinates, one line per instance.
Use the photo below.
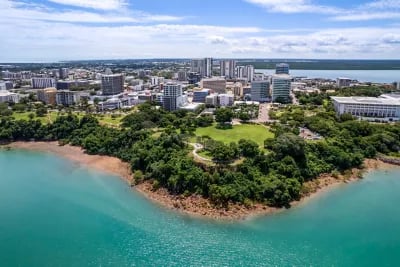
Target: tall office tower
(228, 68)
(208, 67)
(64, 73)
(112, 84)
(182, 76)
(240, 72)
(260, 91)
(41, 83)
(245, 72)
(172, 97)
(202, 66)
(197, 66)
(249, 73)
(282, 68)
(281, 88)
(55, 73)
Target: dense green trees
(223, 115)
(273, 177)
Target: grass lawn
(50, 117)
(257, 133)
(107, 119)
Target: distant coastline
(192, 205)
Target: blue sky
(53, 30)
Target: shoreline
(195, 205)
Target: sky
(58, 30)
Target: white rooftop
(366, 100)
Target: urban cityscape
(192, 85)
(199, 133)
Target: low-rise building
(199, 96)
(7, 85)
(66, 98)
(47, 96)
(212, 100)
(343, 82)
(217, 85)
(226, 100)
(8, 97)
(369, 108)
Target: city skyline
(56, 30)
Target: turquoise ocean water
(56, 213)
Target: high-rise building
(173, 97)
(227, 68)
(182, 76)
(260, 91)
(398, 85)
(245, 72)
(249, 73)
(282, 68)
(193, 77)
(218, 85)
(240, 72)
(64, 73)
(41, 83)
(208, 67)
(112, 84)
(281, 88)
(202, 66)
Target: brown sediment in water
(195, 205)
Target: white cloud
(360, 16)
(294, 6)
(375, 10)
(383, 4)
(94, 4)
(14, 10)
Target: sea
(374, 76)
(54, 212)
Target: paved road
(197, 147)
(263, 115)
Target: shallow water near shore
(57, 213)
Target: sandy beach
(194, 205)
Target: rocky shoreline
(194, 205)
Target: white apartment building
(67, 98)
(6, 96)
(226, 100)
(41, 83)
(382, 108)
(173, 97)
(227, 68)
(202, 66)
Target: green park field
(255, 132)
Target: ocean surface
(377, 76)
(57, 213)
